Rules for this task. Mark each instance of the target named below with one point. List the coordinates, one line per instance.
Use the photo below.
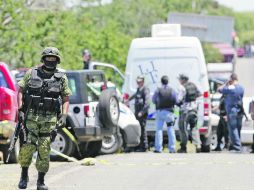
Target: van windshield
(153, 66)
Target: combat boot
(183, 149)
(218, 148)
(40, 182)
(24, 178)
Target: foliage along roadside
(106, 30)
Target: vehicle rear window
(3, 82)
(94, 85)
(72, 83)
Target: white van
(158, 55)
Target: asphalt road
(150, 171)
(145, 171)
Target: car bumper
(6, 131)
(247, 132)
(92, 133)
(206, 128)
(88, 133)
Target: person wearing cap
(187, 95)
(142, 104)
(165, 99)
(233, 93)
(43, 101)
(86, 58)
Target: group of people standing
(165, 99)
(231, 114)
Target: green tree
(212, 55)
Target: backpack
(191, 92)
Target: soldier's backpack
(191, 92)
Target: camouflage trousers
(38, 139)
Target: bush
(212, 55)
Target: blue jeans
(234, 125)
(162, 117)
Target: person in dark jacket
(222, 130)
(188, 113)
(165, 99)
(142, 103)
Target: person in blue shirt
(165, 99)
(233, 93)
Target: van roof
(182, 41)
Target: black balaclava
(50, 65)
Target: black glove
(62, 120)
(53, 135)
(179, 104)
(21, 115)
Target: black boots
(24, 178)
(183, 149)
(40, 182)
(218, 148)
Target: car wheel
(90, 149)
(214, 140)
(111, 144)
(109, 108)
(14, 154)
(62, 144)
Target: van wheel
(90, 149)
(62, 144)
(109, 108)
(111, 144)
(13, 156)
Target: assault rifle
(242, 111)
(14, 139)
(19, 127)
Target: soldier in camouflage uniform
(43, 99)
(187, 99)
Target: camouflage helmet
(51, 51)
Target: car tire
(90, 149)
(111, 144)
(214, 140)
(205, 146)
(62, 144)
(14, 154)
(108, 108)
